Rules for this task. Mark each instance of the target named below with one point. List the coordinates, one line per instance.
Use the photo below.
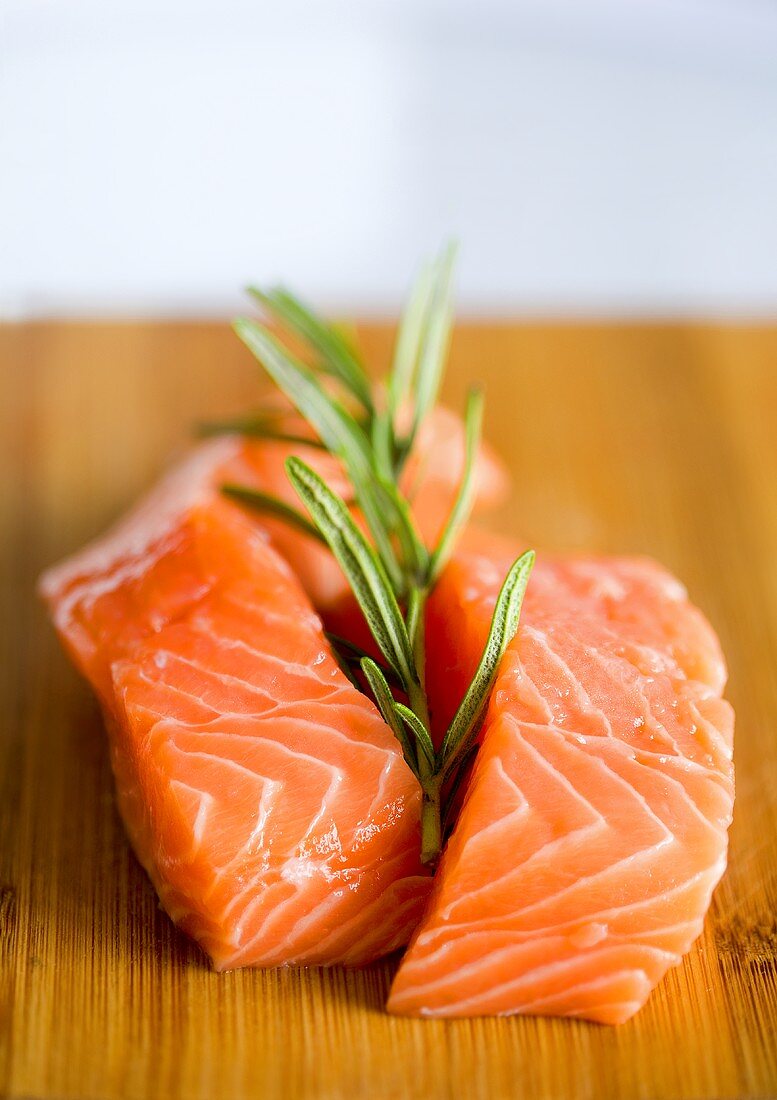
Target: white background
(591, 156)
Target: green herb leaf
(337, 356)
(263, 502)
(256, 428)
(462, 507)
(408, 344)
(335, 425)
(361, 565)
(383, 444)
(435, 341)
(504, 625)
(415, 556)
(240, 425)
(419, 731)
(413, 617)
(387, 706)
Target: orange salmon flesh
(594, 828)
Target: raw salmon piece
(594, 828)
(264, 795)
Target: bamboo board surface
(660, 440)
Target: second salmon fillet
(263, 793)
(594, 828)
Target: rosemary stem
(431, 826)
(431, 809)
(416, 696)
(389, 568)
(417, 689)
(418, 642)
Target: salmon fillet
(594, 828)
(262, 792)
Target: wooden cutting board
(660, 440)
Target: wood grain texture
(660, 440)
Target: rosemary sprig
(391, 572)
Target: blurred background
(594, 157)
